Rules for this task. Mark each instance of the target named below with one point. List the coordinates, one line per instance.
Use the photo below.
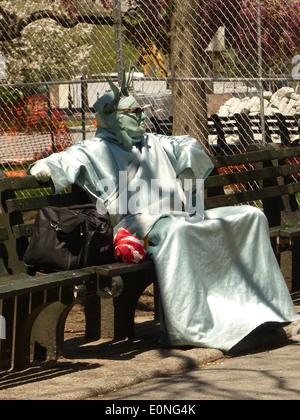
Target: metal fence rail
(192, 59)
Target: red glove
(129, 248)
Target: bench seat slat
(290, 231)
(274, 231)
(117, 268)
(18, 284)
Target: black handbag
(66, 239)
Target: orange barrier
(21, 172)
(238, 168)
(29, 130)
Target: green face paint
(119, 112)
(129, 119)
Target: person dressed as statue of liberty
(218, 276)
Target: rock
(232, 101)
(289, 110)
(284, 92)
(254, 104)
(270, 110)
(236, 106)
(295, 96)
(223, 111)
(285, 101)
(282, 104)
(294, 103)
(267, 94)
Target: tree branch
(6, 14)
(12, 28)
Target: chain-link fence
(207, 68)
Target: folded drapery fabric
(218, 277)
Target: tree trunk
(188, 60)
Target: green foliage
(103, 54)
(8, 95)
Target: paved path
(267, 375)
(140, 370)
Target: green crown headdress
(119, 91)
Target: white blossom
(45, 48)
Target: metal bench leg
(40, 338)
(7, 345)
(92, 317)
(295, 265)
(125, 304)
(40, 325)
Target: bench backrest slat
(33, 203)
(20, 183)
(256, 156)
(247, 174)
(245, 196)
(294, 188)
(262, 176)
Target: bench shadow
(80, 355)
(146, 338)
(42, 372)
(212, 384)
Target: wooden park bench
(35, 307)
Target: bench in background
(245, 127)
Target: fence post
(118, 38)
(261, 90)
(84, 106)
(50, 115)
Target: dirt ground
(76, 322)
